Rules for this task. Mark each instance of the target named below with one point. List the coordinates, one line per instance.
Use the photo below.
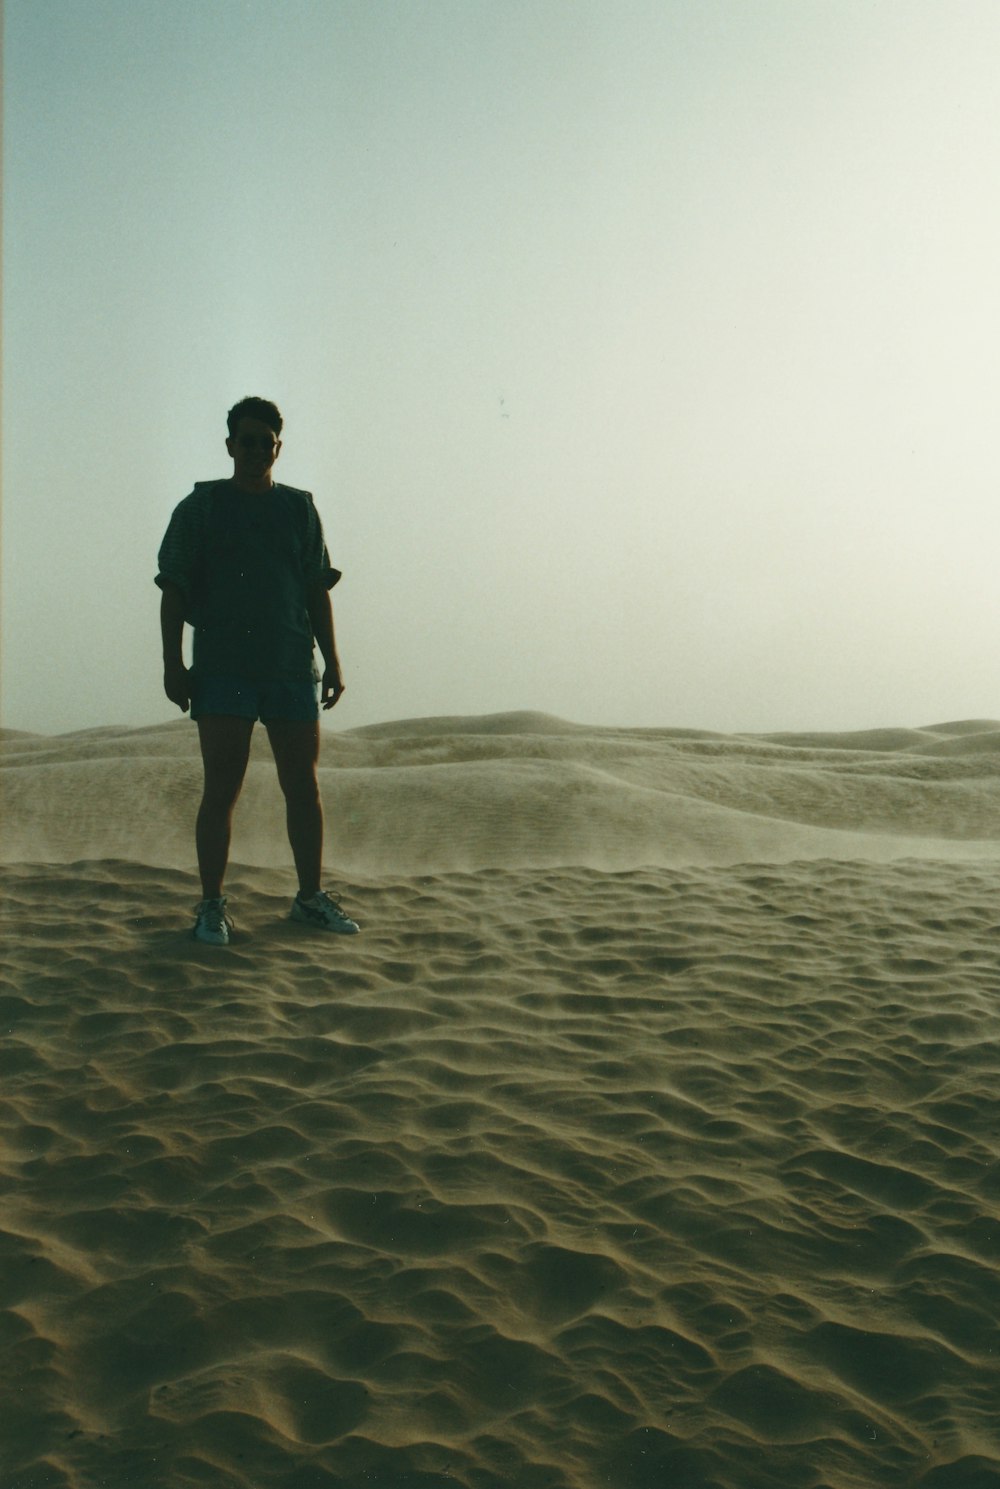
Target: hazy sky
(643, 355)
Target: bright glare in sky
(643, 358)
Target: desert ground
(647, 1136)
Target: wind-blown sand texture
(647, 1137)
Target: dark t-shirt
(246, 564)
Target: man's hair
(254, 408)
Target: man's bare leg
(295, 747)
(225, 750)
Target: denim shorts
(294, 702)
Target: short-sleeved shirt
(246, 564)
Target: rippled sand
(648, 1136)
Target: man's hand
(332, 686)
(177, 685)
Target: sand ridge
(525, 789)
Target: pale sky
(643, 356)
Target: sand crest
(570, 1171)
(524, 790)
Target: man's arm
(175, 675)
(321, 620)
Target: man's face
(254, 448)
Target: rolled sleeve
(318, 572)
(178, 555)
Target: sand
(647, 1136)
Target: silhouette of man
(244, 562)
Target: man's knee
(300, 787)
(222, 787)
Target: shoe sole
(322, 925)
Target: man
(244, 562)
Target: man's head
(255, 408)
(254, 441)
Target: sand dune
(527, 790)
(646, 1137)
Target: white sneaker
(213, 924)
(324, 912)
